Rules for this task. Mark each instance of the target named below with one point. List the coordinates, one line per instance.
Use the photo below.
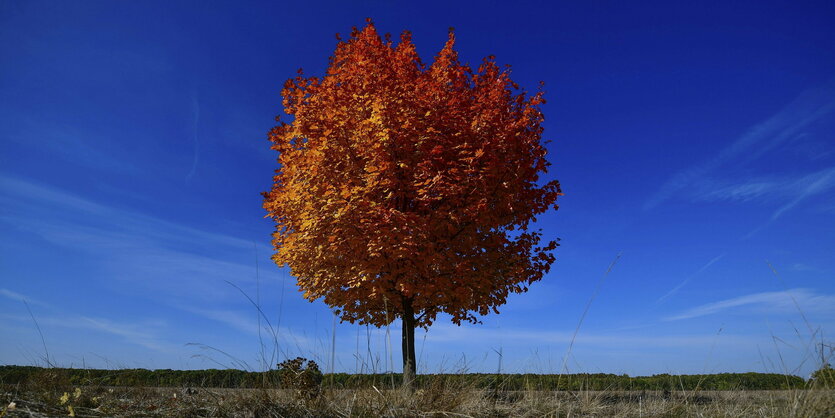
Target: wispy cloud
(783, 301)
(140, 334)
(486, 336)
(810, 185)
(749, 190)
(85, 147)
(804, 267)
(791, 188)
(136, 334)
(247, 322)
(137, 250)
(235, 319)
(6, 293)
(802, 189)
(785, 126)
(687, 280)
(33, 199)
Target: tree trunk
(408, 343)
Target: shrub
(301, 375)
(824, 377)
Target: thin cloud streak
(805, 188)
(687, 280)
(481, 335)
(785, 125)
(744, 192)
(29, 197)
(141, 251)
(776, 301)
(21, 298)
(246, 323)
(126, 331)
(817, 183)
(232, 318)
(68, 142)
(136, 334)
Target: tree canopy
(406, 189)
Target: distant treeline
(582, 381)
(231, 378)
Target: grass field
(49, 393)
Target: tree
(406, 190)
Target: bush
(305, 379)
(824, 377)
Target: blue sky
(696, 140)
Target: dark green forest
(232, 378)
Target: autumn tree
(406, 190)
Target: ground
(433, 401)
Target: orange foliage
(402, 183)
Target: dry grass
(49, 395)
